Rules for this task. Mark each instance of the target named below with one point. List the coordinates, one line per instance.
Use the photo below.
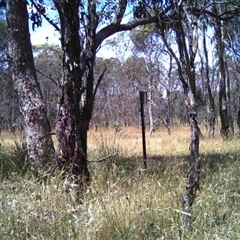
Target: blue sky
(47, 34)
(40, 35)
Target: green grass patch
(125, 201)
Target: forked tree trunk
(71, 131)
(32, 106)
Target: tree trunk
(223, 110)
(168, 99)
(151, 121)
(193, 176)
(229, 107)
(238, 113)
(211, 104)
(167, 118)
(211, 114)
(238, 121)
(32, 106)
(71, 130)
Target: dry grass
(125, 201)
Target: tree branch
(4, 60)
(220, 17)
(99, 81)
(42, 12)
(114, 28)
(121, 11)
(185, 85)
(103, 159)
(44, 75)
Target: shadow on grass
(157, 164)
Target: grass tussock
(126, 201)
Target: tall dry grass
(125, 201)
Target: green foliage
(125, 202)
(48, 66)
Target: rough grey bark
(78, 86)
(71, 139)
(193, 176)
(32, 106)
(186, 33)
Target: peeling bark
(187, 48)
(193, 176)
(72, 154)
(32, 106)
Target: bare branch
(103, 159)
(44, 75)
(4, 60)
(185, 85)
(99, 81)
(221, 17)
(45, 135)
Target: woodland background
(68, 106)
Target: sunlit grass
(125, 201)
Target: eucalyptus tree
(136, 77)
(232, 43)
(147, 45)
(205, 71)
(32, 106)
(84, 25)
(221, 53)
(185, 30)
(236, 89)
(48, 66)
(183, 25)
(110, 95)
(225, 28)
